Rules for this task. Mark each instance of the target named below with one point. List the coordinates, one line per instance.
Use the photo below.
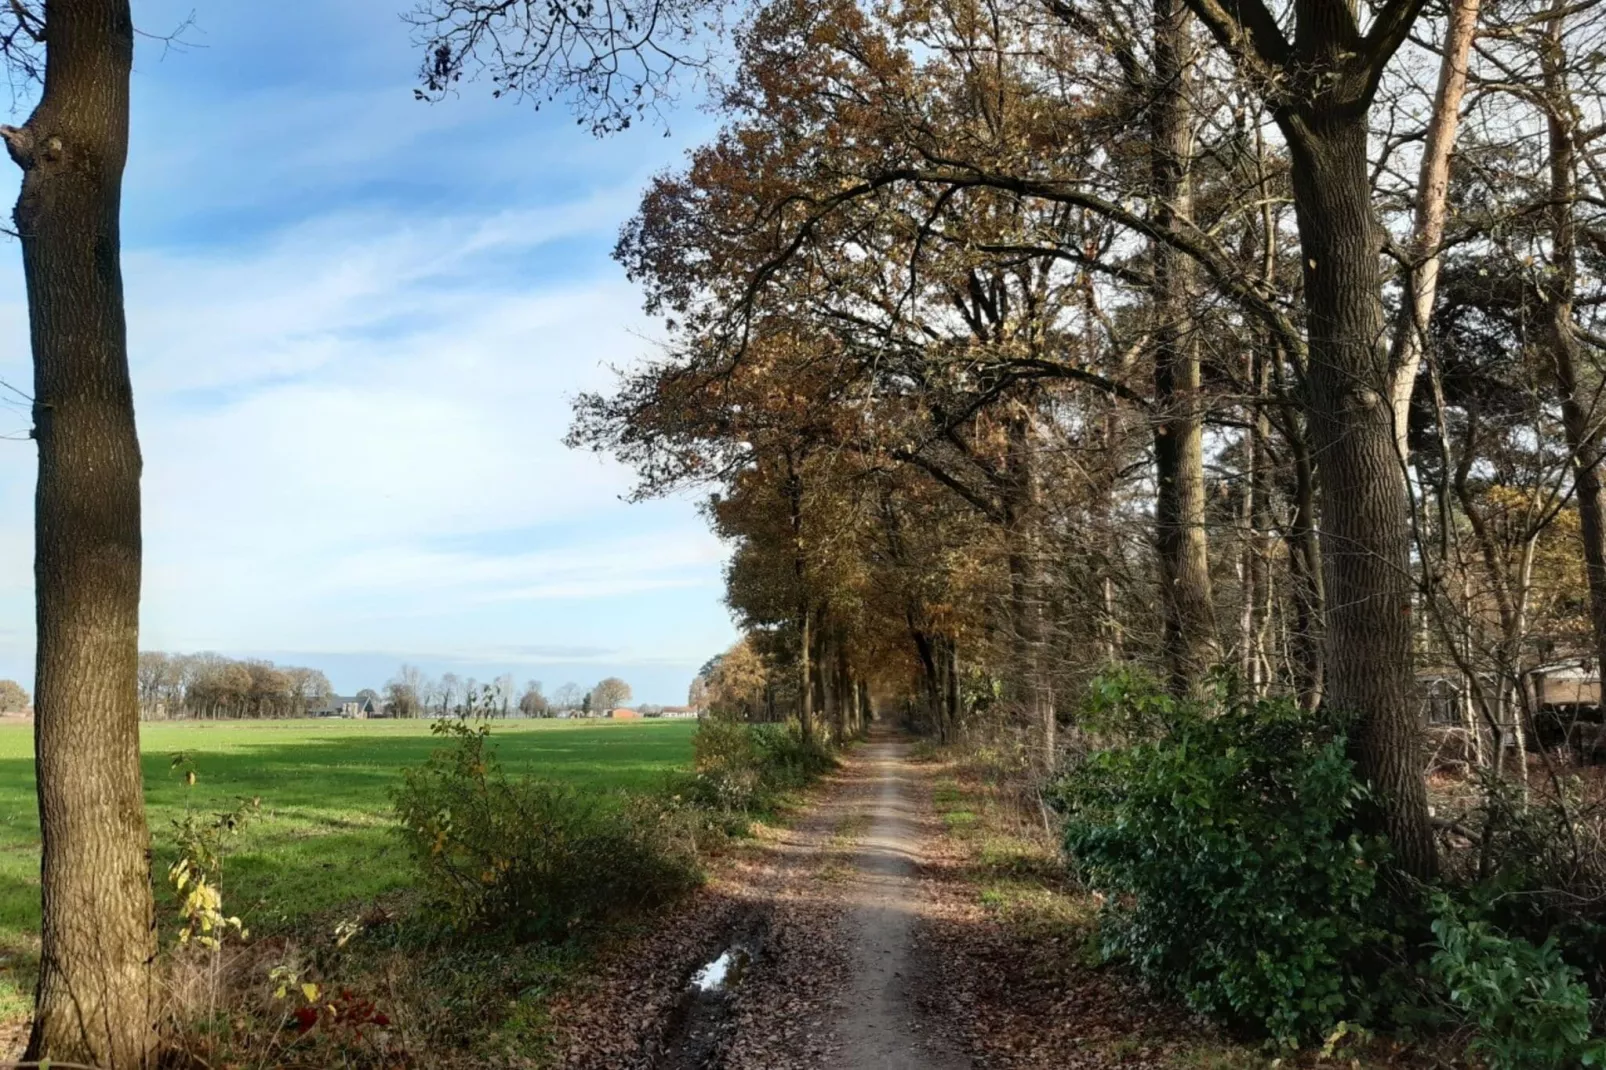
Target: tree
(13, 698)
(609, 694)
(93, 1003)
(310, 686)
(568, 696)
(1320, 85)
(533, 703)
(1185, 588)
(504, 693)
(450, 691)
(613, 62)
(405, 693)
(737, 684)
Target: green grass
(323, 837)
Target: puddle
(724, 973)
(699, 1027)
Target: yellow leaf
(310, 990)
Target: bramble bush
(534, 859)
(1223, 836)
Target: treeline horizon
(207, 685)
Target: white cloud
(350, 397)
(326, 416)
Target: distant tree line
(413, 693)
(214, 686)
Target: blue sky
(356, 322)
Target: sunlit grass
(323, 837)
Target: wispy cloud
(356, 326)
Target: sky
(356, 323)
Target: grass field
(323, 837)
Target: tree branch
(1248, 30)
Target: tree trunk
(848, 714)
(1365, 511)
(805, 676)
(1309, 590)
(1579, 414)
(1432, 197)
(94, 999)
(930, 671)
(1022, 514)
(1191, 644)
(951, 690)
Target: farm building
(358, 707)
(621, 713)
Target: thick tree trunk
(1191, 643)
(1579, 413)
(94, 999)
(1365, 512)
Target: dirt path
(882, 1028)
(826, 914)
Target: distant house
(353, 706)
(679, 712)
(620, 713)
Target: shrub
(1223, 838)
(528, 857)
(743, 768)
(1529, 1009)
(786, 759)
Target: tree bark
(1579, 414)
(1432, 196)
(94, 999)
(1022, 514)
(1309, 590)
(1191, 642)
(1365, 511)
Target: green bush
(1529, 1009)
(534, 859)
(743, 768)
(1222, 836)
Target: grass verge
(323, 844)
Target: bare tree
(568, 696)
(405, 694)
(614, 63)
(449, 692)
